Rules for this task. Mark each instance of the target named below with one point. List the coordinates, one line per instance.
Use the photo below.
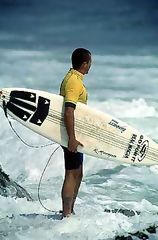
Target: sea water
(36, 42)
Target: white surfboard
(102, 135)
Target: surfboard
(102, 135)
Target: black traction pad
(19, 107)
(29, 96)
(23, 104)
(42, 111)
(20, 113)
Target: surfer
(73, 91)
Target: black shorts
(72, 160)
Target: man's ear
(84, 64)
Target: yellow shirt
(72, 87)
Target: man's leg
(78, 183)
(68, 192)
(70, 189)
(73, 177)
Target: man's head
(81, 60)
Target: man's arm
(69, 124)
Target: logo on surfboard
(116, 124)
(130, 146)
(139, 151)
(101, 152)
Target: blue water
(36, 41)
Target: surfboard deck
(102, 135)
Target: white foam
(134, 108)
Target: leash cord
(31, 146)
(40, 181)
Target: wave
(110, 76)
(135, 108)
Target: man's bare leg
(78, 183)
(68, 192)
(70, 188)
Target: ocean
(36, 41)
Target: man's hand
(73, 144)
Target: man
(73, 91)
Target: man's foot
(65, 216)
(73, 212)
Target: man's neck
(80, 70)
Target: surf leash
(23, 141)
(40, 181)
(33, 146)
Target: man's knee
(75, 174)
(80, 174)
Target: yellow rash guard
(73, 89)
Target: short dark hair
(79, 56)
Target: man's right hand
(73, 144)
